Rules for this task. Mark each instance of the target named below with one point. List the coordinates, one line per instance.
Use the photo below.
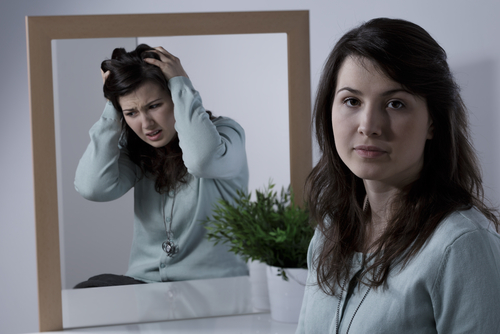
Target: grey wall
(466, 29)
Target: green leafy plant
(272, 229)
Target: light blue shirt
(451, 286)
(214, 154)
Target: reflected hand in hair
(169, 64)
(104, 75)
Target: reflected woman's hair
(450, 179)
(128, 71)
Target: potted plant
(271, 229)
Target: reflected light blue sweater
(214, 154)
(452, 286)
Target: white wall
(466, 29)
(95, 237)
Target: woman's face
(380, 129)
(149, 111)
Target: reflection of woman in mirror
(405, 242)
(155, 136)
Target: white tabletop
(237, 324)
(221, 305)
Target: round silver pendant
(169, 247)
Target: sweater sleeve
(213, 150)
(105, 172)
(466, 293)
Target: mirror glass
(240, 76)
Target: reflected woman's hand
(104, 75)
(170, 65)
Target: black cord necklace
(351, 287)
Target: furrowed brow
(154, 101)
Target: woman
(155, 136)
(404, 242)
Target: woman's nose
(147, 120)
(371, 121)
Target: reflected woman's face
(380, 129)
(149, 112)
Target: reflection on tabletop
(156, 302)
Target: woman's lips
(154, 135)
(369, 151)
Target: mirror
(42, 30)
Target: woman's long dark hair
(450, 179)
(128, 71)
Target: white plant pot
(286, 296)
(258, 285)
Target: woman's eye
(154, 106)
(395, 104)
(131, 113)
(350, 102)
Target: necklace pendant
(169, 247)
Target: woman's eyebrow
(154, 101)
(148, 104)
(397, 90)
(389, 92)
(349, 89)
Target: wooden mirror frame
(42, 30)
